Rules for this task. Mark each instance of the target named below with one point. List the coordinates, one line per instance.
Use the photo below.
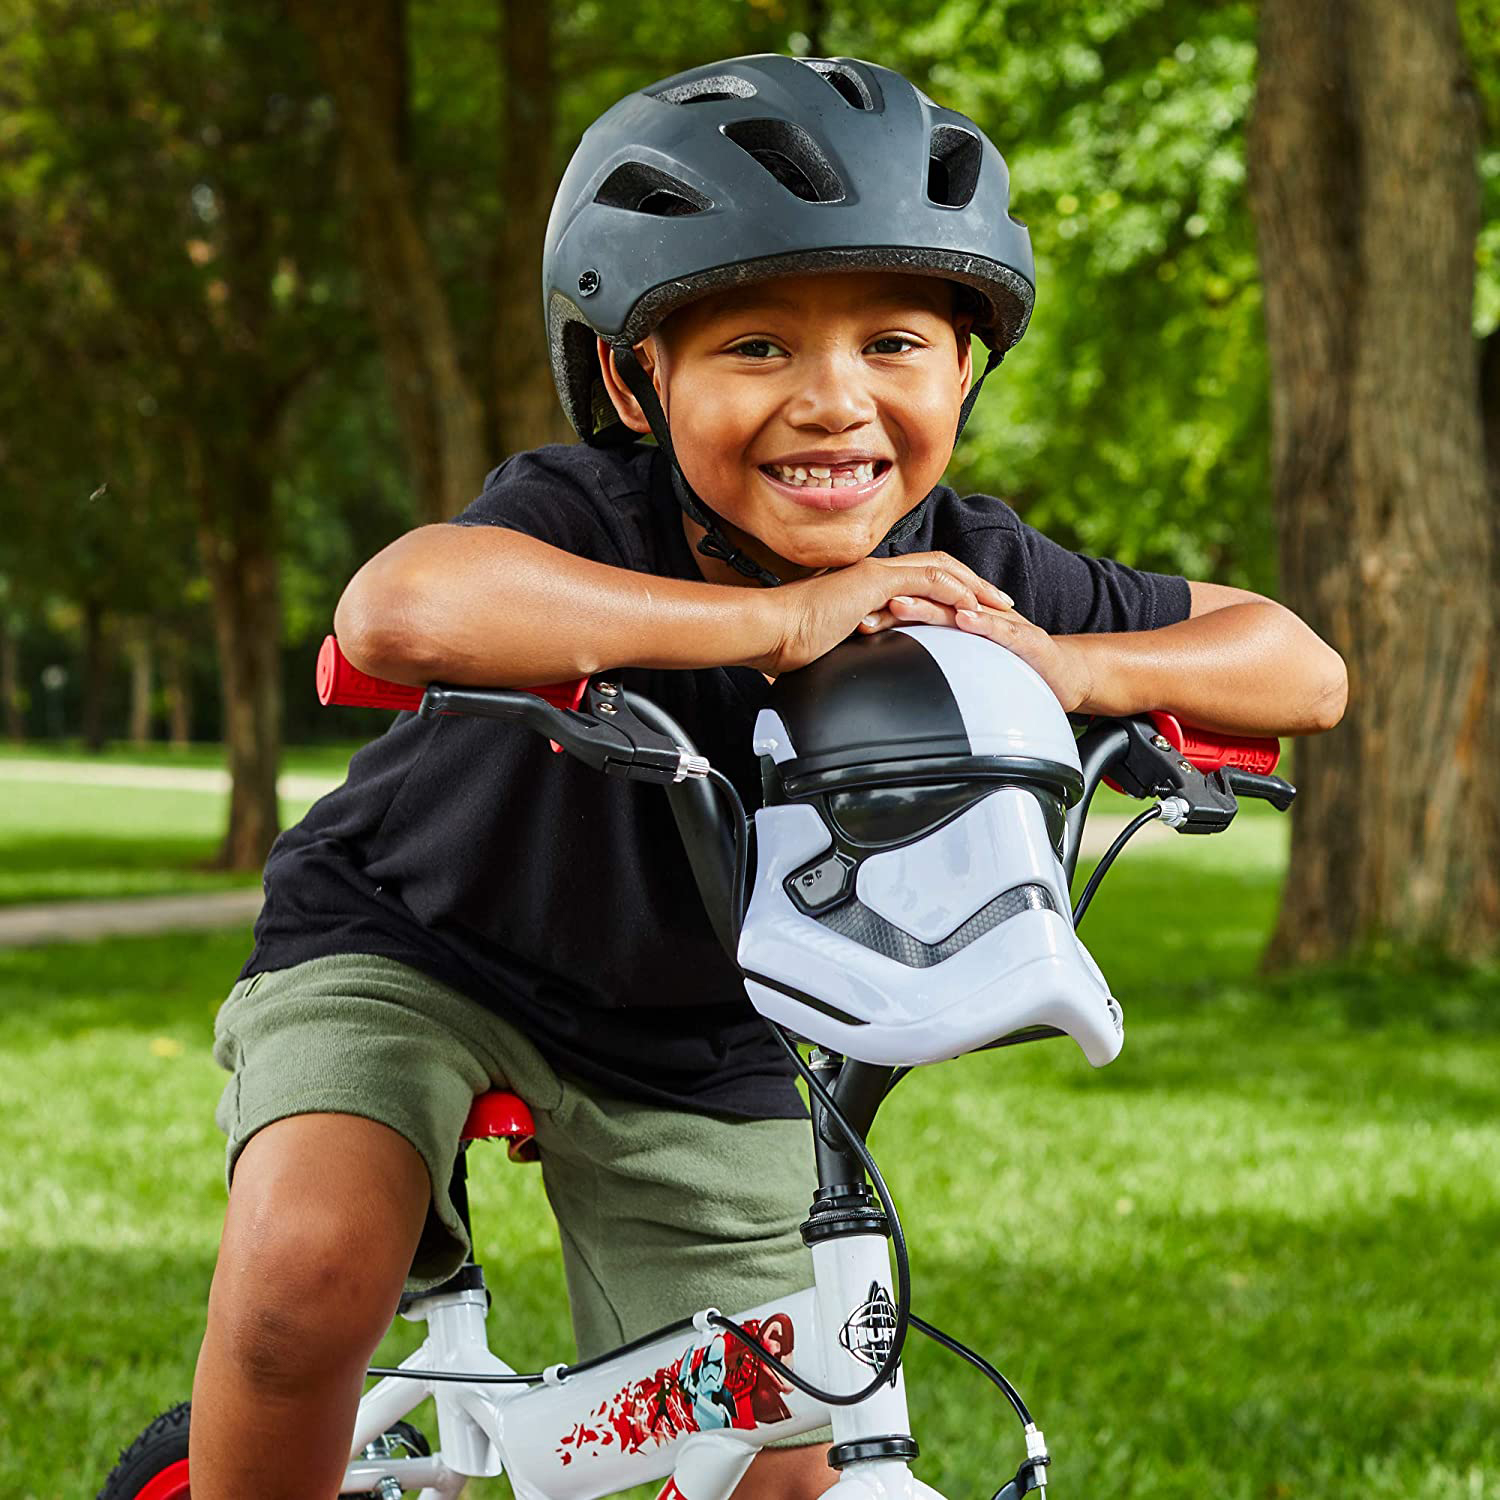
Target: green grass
(1254, 1258)
(330, 757)
(69, 841)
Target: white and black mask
(909, 902)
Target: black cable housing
(979, 1362)
(1109, 858)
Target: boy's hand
(813, 616)
(1054, 658)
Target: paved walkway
(87, 921)
(156, 778)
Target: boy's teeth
(819, 476)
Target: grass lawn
(62, 840)
(1255, 1258)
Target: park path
(156, 778)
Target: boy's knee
(323, 1219)
(298, 1302)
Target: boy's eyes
(764, 348)
(757, 348)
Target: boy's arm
(1241, 664)
(486, 605)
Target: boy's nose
(831, 397)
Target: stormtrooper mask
(909, 902)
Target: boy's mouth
(829, 486)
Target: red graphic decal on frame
(712, 1386)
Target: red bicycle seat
(498, 1115)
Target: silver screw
(608, 689)
(607, 708)
(1184, 765)
(1161, 742)
(389, 1488)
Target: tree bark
(1365, 192)
(139, 651)
(95, 668)
(527, 412)
(10, 679)
(178, 689)
(237, 542)
(361, 52)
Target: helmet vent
(790, 155)
(705, 90)
(645, 189)
(849, 86)
(952, 166)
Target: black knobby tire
(163, 1444)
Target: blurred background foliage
(183, 309)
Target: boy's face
(860, 373)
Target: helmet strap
(713, 543)
(996, 355)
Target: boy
(777, 267)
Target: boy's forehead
(838, 290)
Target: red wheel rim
(170, 1484)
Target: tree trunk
(10, 679)
(178, 689)
(139, 651)
(361, 51)
(527, 411)
(1365, 192)
(1488, 819)
(95, 668)
(237, 540)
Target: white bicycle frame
(683, 1406)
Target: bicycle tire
(155, 1465)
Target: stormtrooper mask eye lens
(891, 814)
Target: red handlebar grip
(1209, 750)
(339, 681)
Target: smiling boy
(778, 267)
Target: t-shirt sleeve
(1070, 593)
(551, 501)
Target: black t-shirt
(561, 898)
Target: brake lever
(1192, 801)
(606, 735)
(1272, 789)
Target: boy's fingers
(920, 611)
(975, 590)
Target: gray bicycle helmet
(761, 166)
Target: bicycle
(694, 1402)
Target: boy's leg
(323, 1219)
(352, 1078)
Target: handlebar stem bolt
(607, 708)
(608, 689)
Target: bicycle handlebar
(1195, 772)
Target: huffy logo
(868, 1333)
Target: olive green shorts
(662, 1212)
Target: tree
(184, 151)
(1366, 196)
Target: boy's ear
(963, 332)
(625, 404)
